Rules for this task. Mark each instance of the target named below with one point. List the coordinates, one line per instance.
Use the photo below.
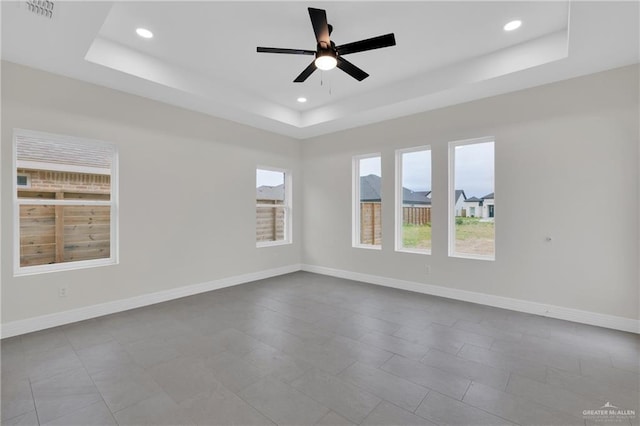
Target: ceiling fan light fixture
(326, 60)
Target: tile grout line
(374, 409)
(35, 407)
(99, 393)
(467, 390)
(418, 406)
(506, 386)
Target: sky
(268, 178)
(473, 173)
(474, 169)
(416, 170)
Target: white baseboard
(29, 325)
(559, 312)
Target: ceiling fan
(328, 55)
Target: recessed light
(513, 25)
(144, 33)
(302, 99)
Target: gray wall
(566, 167)
(187, 192)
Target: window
(65, 217)
(273, 207)
(23, 181)
(367, 201)
(471, 199)
(413, 200)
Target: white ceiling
(203, 54)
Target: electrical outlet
(428, 269)
(62, 291)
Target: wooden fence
(54, 234)
(269, 224)
(371, 223)
(371, 220)
(416, 215)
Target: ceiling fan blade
(368, 44)
(351, 69)
(320, 26)
(306, 73)
(289, 51)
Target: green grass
(472, 236)
(471, 228)
(416, 236)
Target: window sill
(367, 247)
(414, 251)
(472, 256)
(272, 243)
(61, 267)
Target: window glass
(65, 208)
(472, 200)
(368, 201)
(414, 200)
(272, 206)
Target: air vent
(40, 7)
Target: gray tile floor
(305, 349)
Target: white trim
(15, 328)
(64, 266)
(519, 305)
(355, 202)
(399, 230)
(261, 244)
(414, 251)
(451, 249)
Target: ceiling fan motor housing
(326, 51)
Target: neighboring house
(370, 193)
(370, 189)
(416, 198)
(473, 207)
(460, 197)
(269, 194)
(483, 208)
(62, 168)
(488, 212)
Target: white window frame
(355, 210)
(452, 198)
(27, 185)
(17, 202)
(399, 198)
(287, 206)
